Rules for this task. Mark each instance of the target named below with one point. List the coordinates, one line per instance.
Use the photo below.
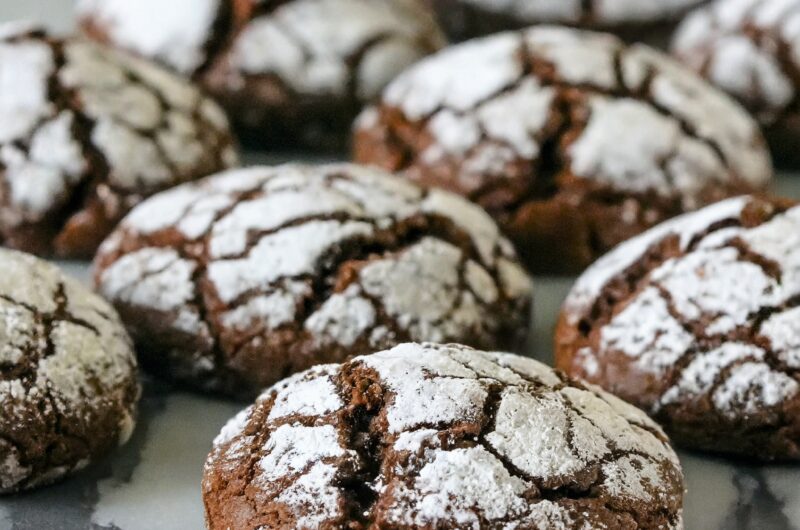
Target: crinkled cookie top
(86, 129)
(580, 106)
(425, 436)
(750, 49)
(312, 46)
(704, 309)
(335, 257)
(67, 374)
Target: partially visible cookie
(631, 19)
(238, 281)
(68, 379)
(751, 49)
(288, 72)
(87, 132)
(446, 437)
(572, 140)
(697, 322)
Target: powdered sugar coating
(710, 317)
(76, 115)
(346, 257)
(65, 359)
(485, 464)
(749, 48)
(673, 135)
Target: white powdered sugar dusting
(64, 345)
(649, 126)
(544, 434)
(265, 240)
(734, 288)
(749, 48)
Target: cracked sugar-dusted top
(270, 270)
(68, 387)
(750, 49)
(427, 436)
(86, 132)
(312, 46)
(559, 120)
(595, 13)
(695, 321)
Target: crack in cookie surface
(693, 322)
(565, 129)
(267, 271)
(441, 436)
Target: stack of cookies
(362, 305)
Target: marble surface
(154, 481)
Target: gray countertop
(154, 481)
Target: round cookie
(650, 20)
(751, 49)
(68, 378)
(86, 133)
(236, 282)
(696, 322)
(426, 436)
(290, 72)
(573, 141)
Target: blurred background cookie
(445, 437)
(648, 20)
(698, 322)
(68, 387)
(572, 140)
(86, 133)
(751, 49)
(289, 73)
(238, 281)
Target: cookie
(696, 322)
(290, 73)
(68, 380)
(236, 282)
(751, 50)
(86, 133)
(573, 141)
(650, 20)
(426, 436)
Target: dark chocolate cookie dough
(573, 141)
(698, 322)
(289, 72)
(87, 132)
(649, 20)
(238, 281)
(751, 49)
(443, 437)
(68, 388)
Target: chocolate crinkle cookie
(425, 436)
(573, 141)
(698, 322)
(289, 72)
(236, 282)
(86, 133)
(651, 20)
(68, 386)
(751, 49)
